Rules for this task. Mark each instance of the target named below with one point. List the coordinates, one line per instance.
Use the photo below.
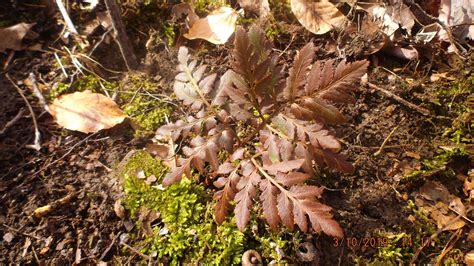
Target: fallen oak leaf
(317, 16)
(216, 28)
(86, 112)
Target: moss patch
(186, 213)
(89, 82)
(139, 101)
(187, 232)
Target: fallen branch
(399, 99)
(36, 146)
(121, 35)
(66, 17)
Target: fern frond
(189, 85)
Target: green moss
(169, 30)
(205, 6)
(456, 100)
(187, 232)
(146, 112)
(275, 245)
(186, 212)
(89, 82)
(439, 164)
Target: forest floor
(398, 152)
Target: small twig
(44, 210)
(172, 144)
(136, 251)
(397, 98)
(38, 93)
(66, 17)
(36, 146)
(121, 35)
(13, 121)
(9, 59)
(100, 41)
(460, 214)
(448, 246)
(450, 222)
(377, 153)
(20, 232)
(106, 251)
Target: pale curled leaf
(189, 85)
(216, 28)
(12, 37)
(459, 13)
(317, 16)
(86, 112)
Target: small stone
(8, 237)
(128, 225)
(141, 174)
(163, 231)
(119, 209)
(150, 179)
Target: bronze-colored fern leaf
(272, 128)
(297, 77)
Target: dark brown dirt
(86, 230)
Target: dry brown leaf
(457, 206)
(445, 216)
(412, 154)
(470, 235)
(161, 151)
(317, 16)
(469, 258)
(216, 28)
(12, 36)
(187, 10)
(408, 53)
(438, 76)
(260, 7)
(119, 209)
(86, 112)
(435, 191)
